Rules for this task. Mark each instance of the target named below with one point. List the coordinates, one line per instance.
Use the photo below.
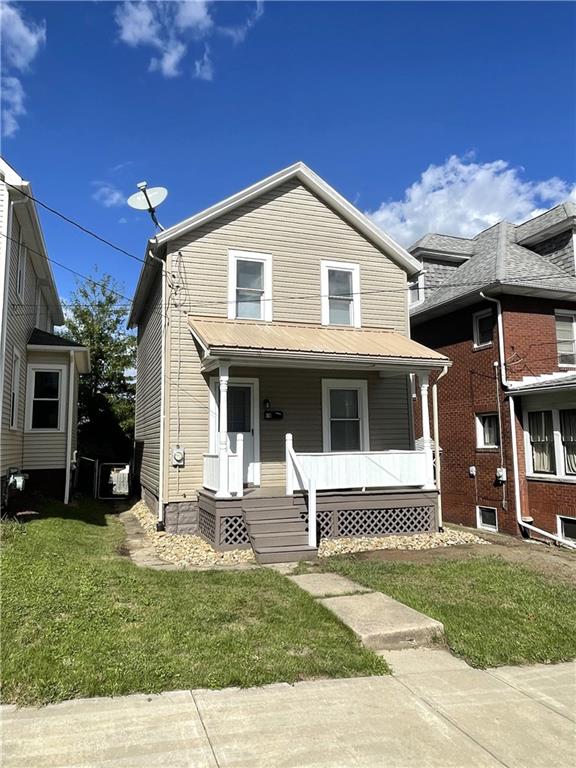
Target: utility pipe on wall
(71, 385)
(436, 443)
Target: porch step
(270, 512)
(279, 539)
(265, 502)
(286, 554)
(278, 525)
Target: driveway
(434, 711)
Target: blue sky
(440, 116)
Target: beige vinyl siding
(47, 450)
(20, 321)
(148, 390)
(299, 231)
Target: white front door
(242, 419)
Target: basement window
(567, 527)
(487, 518)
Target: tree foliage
(96, 317)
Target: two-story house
(38, 369)
(502, 306)
(273, 399)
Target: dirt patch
(548, 559)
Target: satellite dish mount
(148, 199)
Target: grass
(78, 620)
(493, 613)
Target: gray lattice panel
(233, 530)
(207, 525)
(373, 522)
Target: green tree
(96, 317)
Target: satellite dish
(148, 199)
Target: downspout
(69, 429)
(162, 475)
(436, 445)
(517, 499)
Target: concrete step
(271, 513)
(284, 525)
(278, 539)
(285, 554)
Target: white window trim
(559, 528)
(21, 269)
(15, 387)
(482, 526)
(325, 266)
(560, 474)
(571, 314)
(234, 257)
(32, 368)
(361, 386)
(480, 430)
(420, 283)
(476, 317)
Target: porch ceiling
(316, 344)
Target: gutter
(69, 428)
(523, 525)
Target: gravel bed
(185, 550)
(412, 541)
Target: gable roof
(313, 182)
(499, 264)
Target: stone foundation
(181, 517)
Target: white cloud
(462, 197)
(203, 68)
(108, 195)
(170, 27)
(21, 40)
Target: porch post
(223, 490)
(424, 379)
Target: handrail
(308, 483)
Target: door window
(239, 409)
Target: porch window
(249, 285)
(568, 436)
(541, 431)
(566, 338)
(482, 328)
(487, 430)
(345, 412)
(45, 397)
(340, 288)
(15, 390)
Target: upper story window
(482, 324)
(340, 291)
(21, 270)
(45, 407)
(416, 290)
(566, 337)
(15, 389)
(487, 430)
(249, 285)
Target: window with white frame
(340, 290)
(541, 432)
(566, 338)
(45, 398)
(567, 420)
(345, 415)
(487, 430)
(566, 527)
(21, 269)
(15, 389)
(482, 326)
(416, 290)
(487, 518)
(249, 285)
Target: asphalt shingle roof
(45, 339)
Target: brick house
(502, 307)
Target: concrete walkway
(434, 713)
(139, 547)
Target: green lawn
(78, 620)
(493, 613)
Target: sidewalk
(434, 712)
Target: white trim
(38, 302)
(71, 369)
(254, 383)
(560, 527)
(15, 387)
(572, 314)
(234, 256)
(21, 268)
(40, 367)
(361, 386)
(342, 266)
(560, 474)
(419, 283)
(484, 526)
(163, 337)
(480, 429)
(476, 317)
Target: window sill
(480, 347)
(567, 365)
(31, 431)
(487, 449)
(569, 479)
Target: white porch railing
(297, 477)
(224, 471)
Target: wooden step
(287, 554)
(256, 502)
(278, 539)
(271, 513)
(277, 525)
